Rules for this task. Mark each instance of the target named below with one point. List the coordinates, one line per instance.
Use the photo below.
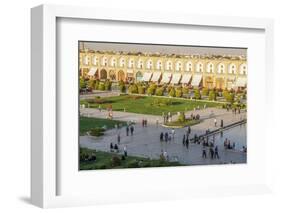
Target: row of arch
(179, 65)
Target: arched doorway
(139, 76)
(112, 75)
(103, 74)
(121, 75)
(209, 82)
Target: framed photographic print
(149, 106)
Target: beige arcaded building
(211, 71)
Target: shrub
(133, 164)
(169, 88)
(82, 83)
(107, 85)
(91, 84)
(212, 95)
(181, 117)
(133, 88)
(172, 92)
(122, 86)
(100, 166)
(185, 90)
(178, 92)
(228, 96)
(205, 91)
(115, 161)
(159, 91)
(101, 86)
(141, 89)
(197, 94)
(151, 89)
(97, 84)
(97, 131)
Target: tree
(178, 92)
(97, 84)
(133, 88)
(122, 86)
(212, 95)
(151, 89)
(181, 117)
(141, 89)
(82, 83)
(101, 86)
(91, 84)
(205, 91)
(107, 85)
(172, 92)
(185, 90)
(197, 94)
(159, 91)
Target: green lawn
(86, 124)
(146, 104)
(104, 161)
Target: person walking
(132, 129)
(161, 136)
(125, 150)
(204, 154)
(212, 153)
(187, 143)
(127, 130)
(118, 138)
(166, 136)
(189, 129)
(217, 153)
(221, 123)
(215, 122)
(100, 108)
(173, 133)
(183, 140)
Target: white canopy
(166, 78)
(147, 76)
(186, 78)
(196, 79)
(241, 82)
(156, 76)
(92, 71)
(176, 78)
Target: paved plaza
(145, 142)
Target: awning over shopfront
(166, 78)
(147, 76)
(241, 82)
(196, 80)
(92, 71)
(186, 78)
(176, 78)
(156, 76)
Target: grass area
(87, 124)
(104, 160)
(148, 105)
(182, 124)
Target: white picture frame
(44, 155)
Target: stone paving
(145, 142)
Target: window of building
(189, 66)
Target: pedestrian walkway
(146, 143)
